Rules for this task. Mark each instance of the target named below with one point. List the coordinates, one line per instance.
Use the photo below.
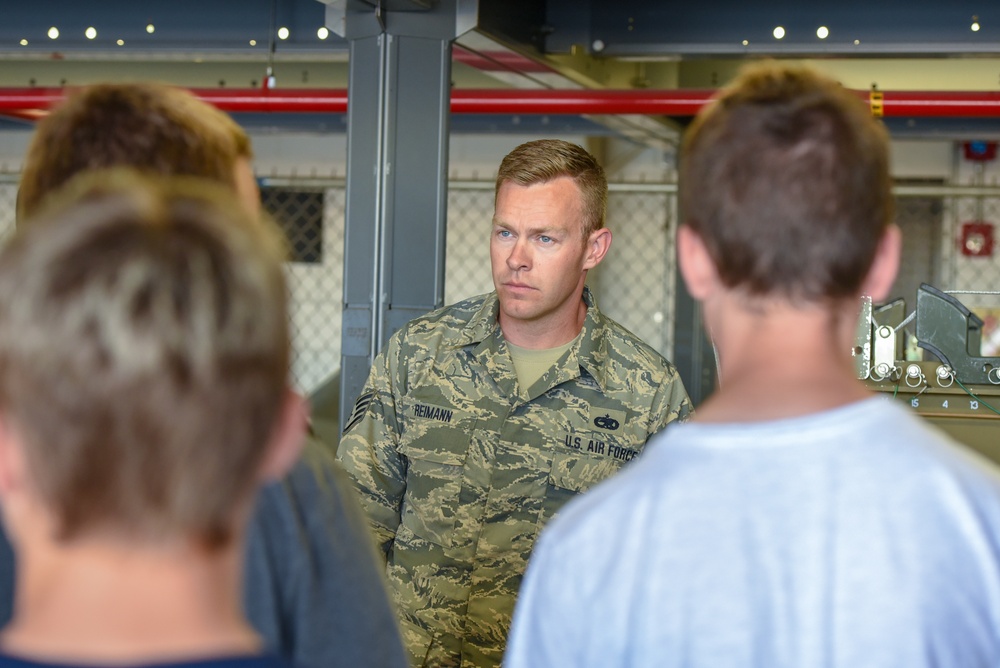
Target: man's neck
(545, 333)
(780, 362)
(101, 602)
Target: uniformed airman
(480, 420)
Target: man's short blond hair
(144, 355)
(149, 127)
(543, 160)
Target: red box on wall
(980, 151)
(977, 239)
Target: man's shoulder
(625, 347)
(461, 312)
(926, 442)
(444, 325)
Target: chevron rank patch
(360, 407)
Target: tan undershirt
(530, 365)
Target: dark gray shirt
(312, 585)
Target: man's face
(538, 253)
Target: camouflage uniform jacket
(459, 468)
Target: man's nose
(519, 257)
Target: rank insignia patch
(360, 407)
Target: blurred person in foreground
(140, 321)
(798, 520)
(312, 587)
(480, 420)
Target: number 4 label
(944, 404)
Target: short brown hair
(150, 127)
(144, 355)
(543, 160)
(785, 177)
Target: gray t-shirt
(855, 537)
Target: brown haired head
(785, 178)
(144, 356)
(543, 160)
(149, 127)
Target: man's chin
(518, 310)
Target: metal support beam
(397, 165)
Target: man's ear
(598, 244)
(13, 463)
(884, 267)
(695, 263)
(288, 437)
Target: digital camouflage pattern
(459, 467)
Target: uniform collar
(590, 353)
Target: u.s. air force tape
(360, 407)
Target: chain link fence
(635, 284)
(312, 217)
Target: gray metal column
(397, 168)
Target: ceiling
(647, 44)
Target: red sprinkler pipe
(283, 100)
(941, 104)
(579, 102)
(914, 104)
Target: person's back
(312, 584)
(797, 521)
(140, 320)
(853, 537)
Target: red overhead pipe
(227, 99)
(577, 102)
(940, 104)
(933, 104)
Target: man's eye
(544, 239)
(503, 233)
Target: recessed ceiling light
(779, 32)
(282, 33)
(822, 32)
(253, 42)
(322, 33)
(745, 42)
(53, 33)
(90, 32)
(856, 42)
(150, 28)
(120, 42)
(975, 26)
(24, 42)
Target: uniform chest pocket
(571, 474)
(435, 451)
